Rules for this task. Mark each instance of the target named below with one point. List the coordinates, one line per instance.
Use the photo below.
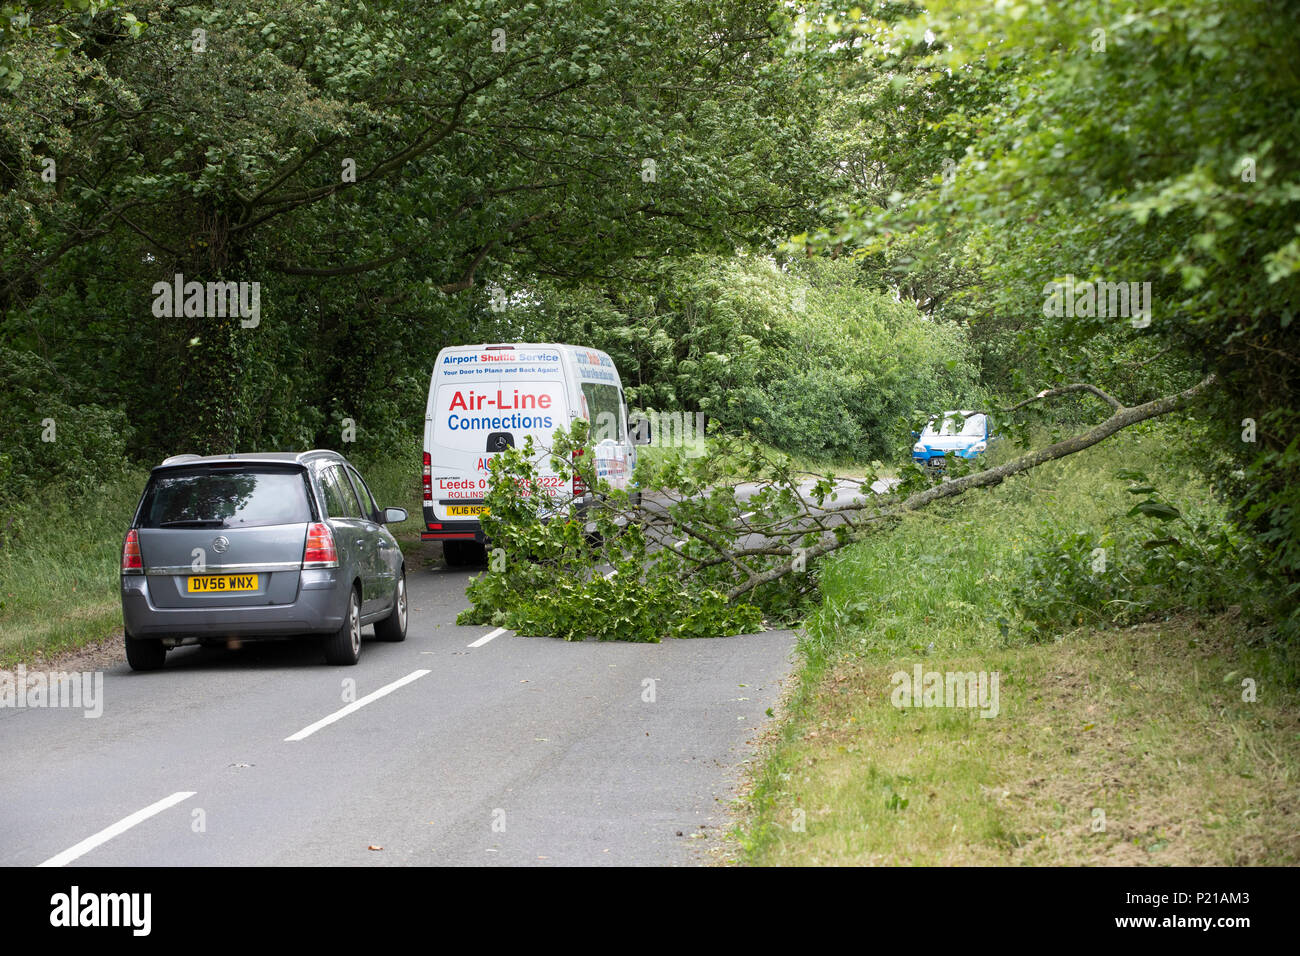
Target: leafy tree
(1122, 142)
(372, 167)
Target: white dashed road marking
(118, 828)
(356, 705)
(487, 637)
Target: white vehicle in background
(484, 399)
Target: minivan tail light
(320, 551)
(132, 563)
(428, 477)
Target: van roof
(485, 346)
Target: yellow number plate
(211, 583)
(465, 511)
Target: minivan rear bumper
(319, 608)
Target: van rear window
(225, 498)
(604, 410)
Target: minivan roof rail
(177, 459)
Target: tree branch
(1123, 418)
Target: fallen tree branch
(1121, 419)
(1109, 399)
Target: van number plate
(211, 583)
(465, 511)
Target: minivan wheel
(344, 645)
(393, 627)
(145, 654)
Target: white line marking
(118, 828)
(612, 572)
(487, 637)
(748, 514)
(356, 705)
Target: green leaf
(1155, 509)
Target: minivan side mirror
(640, 430)
(394, 515)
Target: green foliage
(378, 170)
(1113, 141)
(546, 572)
(1153, 560)
(1018, 563)
(50, 441)
(806, 357)
(59, 554)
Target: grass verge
(59, 562)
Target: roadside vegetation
(1121, 688)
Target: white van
(486, 398)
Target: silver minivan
(260, 546)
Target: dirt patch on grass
(100, 655)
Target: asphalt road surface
(463, 751)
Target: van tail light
(132, 563)
(320, 551)
(579, 486)
(428, 477)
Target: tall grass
(59, 561)
(949, 578)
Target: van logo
(220, 543)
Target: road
(515, 751)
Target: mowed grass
(59, 563)
(1117, 746)
(1121, 747)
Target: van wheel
(459, 554)
(145, 654)
(344, 645)
(393, 627)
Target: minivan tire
(145, 654)
(344, 645)
(393, 627)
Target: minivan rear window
(247, 497)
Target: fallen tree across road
(704, 560)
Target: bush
(1154, 560)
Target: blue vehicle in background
(961, 433)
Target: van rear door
(484, 402)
